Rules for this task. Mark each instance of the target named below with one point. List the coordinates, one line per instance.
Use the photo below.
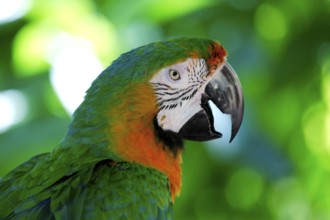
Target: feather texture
(104, 190)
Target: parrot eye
(174, 74)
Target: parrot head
(184, 89)
(142, 107)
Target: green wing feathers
(103, 190)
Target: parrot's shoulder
(128, 191)
(21, 170)
(116, 190)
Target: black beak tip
(233, 134)
(237, 121)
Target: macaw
(121, 155)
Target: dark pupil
(174, 73)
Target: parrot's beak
(225, 91)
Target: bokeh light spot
(315, 123)
(288, 201)
(270, 22)
(326, 82)
(74, 67)
(326, 99)
(30, 48)
(13, 9)
(101, 35)
(13, 108)
(244, 188)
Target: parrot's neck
(121, 127)
(140, 146)
(135, 138)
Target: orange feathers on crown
(217, 56)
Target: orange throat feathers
(135, 137)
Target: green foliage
(278, 168)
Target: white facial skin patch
(179, 90)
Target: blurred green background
(278, 167)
